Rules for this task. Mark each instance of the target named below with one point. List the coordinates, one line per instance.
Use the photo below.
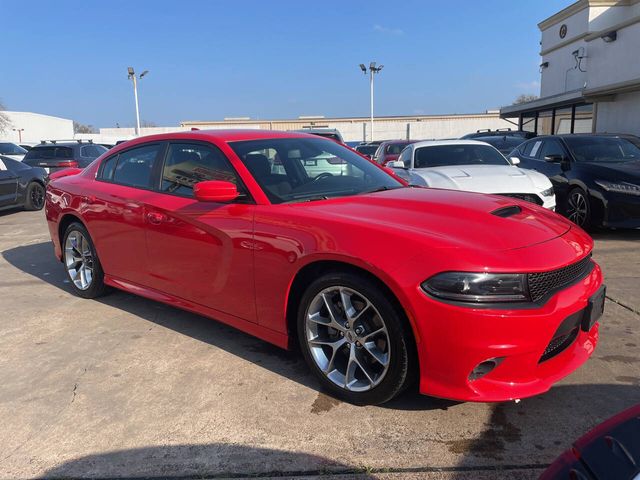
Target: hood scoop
(506, 212)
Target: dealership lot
(129, 387)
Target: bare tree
(524, 98)
(5, 123)
(80, 128)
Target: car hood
(624, 171)
(449, 218)
(483, 178)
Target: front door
(8, 186)
(201, 251)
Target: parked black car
(368, 149)
(501, 132)
(596, 177)
(21, 185)
(56, 155)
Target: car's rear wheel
(578, 208)
(35, 196)
(81, 262)
(354, 338)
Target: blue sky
(266, 59)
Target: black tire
(401, 362)
(34, 196)
(578, 208)
(96, 287)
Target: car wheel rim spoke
(78, 259)
(347, 338)
(578, 208)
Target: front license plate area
(594, 310)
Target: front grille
(527, 197)
(559, 344)
(543, 284)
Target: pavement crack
(627, 307)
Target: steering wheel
(323, 175)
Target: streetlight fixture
(132, 76)
(19, 130)
(373, 69)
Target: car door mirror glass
(215, 191)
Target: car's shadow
(616, 234)
(39, 261)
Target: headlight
(547, 193)
(619, 187)
(478, 287)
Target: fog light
(485, 367)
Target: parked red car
(482, 298)
(390, 150)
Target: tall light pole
(19, 130)
(132, 76)
(372, 71)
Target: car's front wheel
(81, 262)
(579, 208)
(354, 338)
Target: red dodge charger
(296, 239)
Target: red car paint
(237, 262)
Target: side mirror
(215, 191)
(395, 164)
(515, 161)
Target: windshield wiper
(383, 188)
(303, 199)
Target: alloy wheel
(79, 260)
(578, 210)
(348, 339)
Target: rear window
(396, 148)
(41, 152)
(92, 151)
(7, 148)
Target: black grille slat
(527, 197)
(559, 344)
(545, 283)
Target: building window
(529, 122)
(583, 120)
(545, 123)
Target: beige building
(590, 73)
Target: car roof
(60, 144)
(436, 143)
(229, 135)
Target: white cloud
(387, 30)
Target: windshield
(604, 149)
(11, 149)
(303, 169)
(450, 155)
(367, 149)
(396, 148)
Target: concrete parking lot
(126, 387)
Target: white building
(34, 127)
(590, 71)
(353, 129)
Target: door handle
(155, 218)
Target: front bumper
(621, 211)
(455, 339)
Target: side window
(405, 157)
(108, 167)
(550, 147)
(532, 149)
(134, 166)
(187, 164)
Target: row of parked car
(593, 179)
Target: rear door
(8, 185)
(201, 251)
(115, 211)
